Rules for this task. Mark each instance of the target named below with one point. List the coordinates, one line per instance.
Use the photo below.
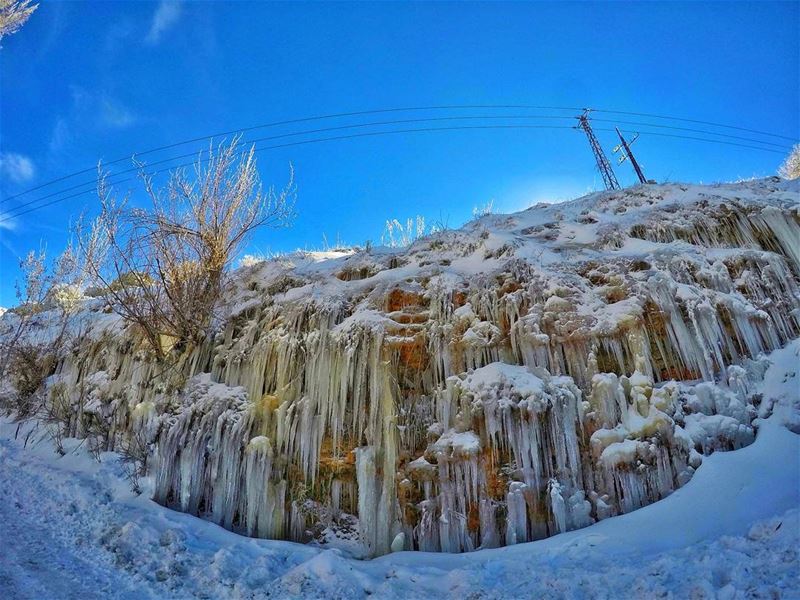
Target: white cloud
(16, 167)
(166, 15)
(90, 112)
(8, 223)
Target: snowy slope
(522, 377)
(71, 528)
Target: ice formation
(526, 375)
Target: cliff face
(522, 376)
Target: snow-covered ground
(71, 528)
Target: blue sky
(88, 81)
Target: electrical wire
(390, 110)
(394, 122)
(13, 214)
(284, 135)
(292, 122)
(652, 116)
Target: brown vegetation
(163, 269)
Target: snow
(440, 398)
(502, 375)
(72, 529)
(455, 443)
(621, 452)
(675, 225)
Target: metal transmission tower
(628, 154)
(602, 162)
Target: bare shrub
(34, 332)
(134, 454)
(55, 413)
(163, 269)
(30, 365)
(98, 433)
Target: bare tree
(163, 268)
(790, 169)
(13, 14)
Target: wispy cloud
(7, 223)
(166, 15)
(17, 167)
(96, 112)
(61, 135)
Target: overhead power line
(285, 135)
(13, 214)
(713, 124)
(294, 122)
(390, 122)
(393, 110)
(782, 146)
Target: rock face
(525, 375)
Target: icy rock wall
(410, 404)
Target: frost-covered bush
(482, 211)
(790, 169)
(249, 260)
(64, 296)
(49, 289)
(13, 14)
(397, 235)
(130, 279)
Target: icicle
(557, 506)
(430, 404)
(517, 519)
(367, 495)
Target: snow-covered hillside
(521, 377)
(71, 528)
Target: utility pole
(602, 162)
(626, 146)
